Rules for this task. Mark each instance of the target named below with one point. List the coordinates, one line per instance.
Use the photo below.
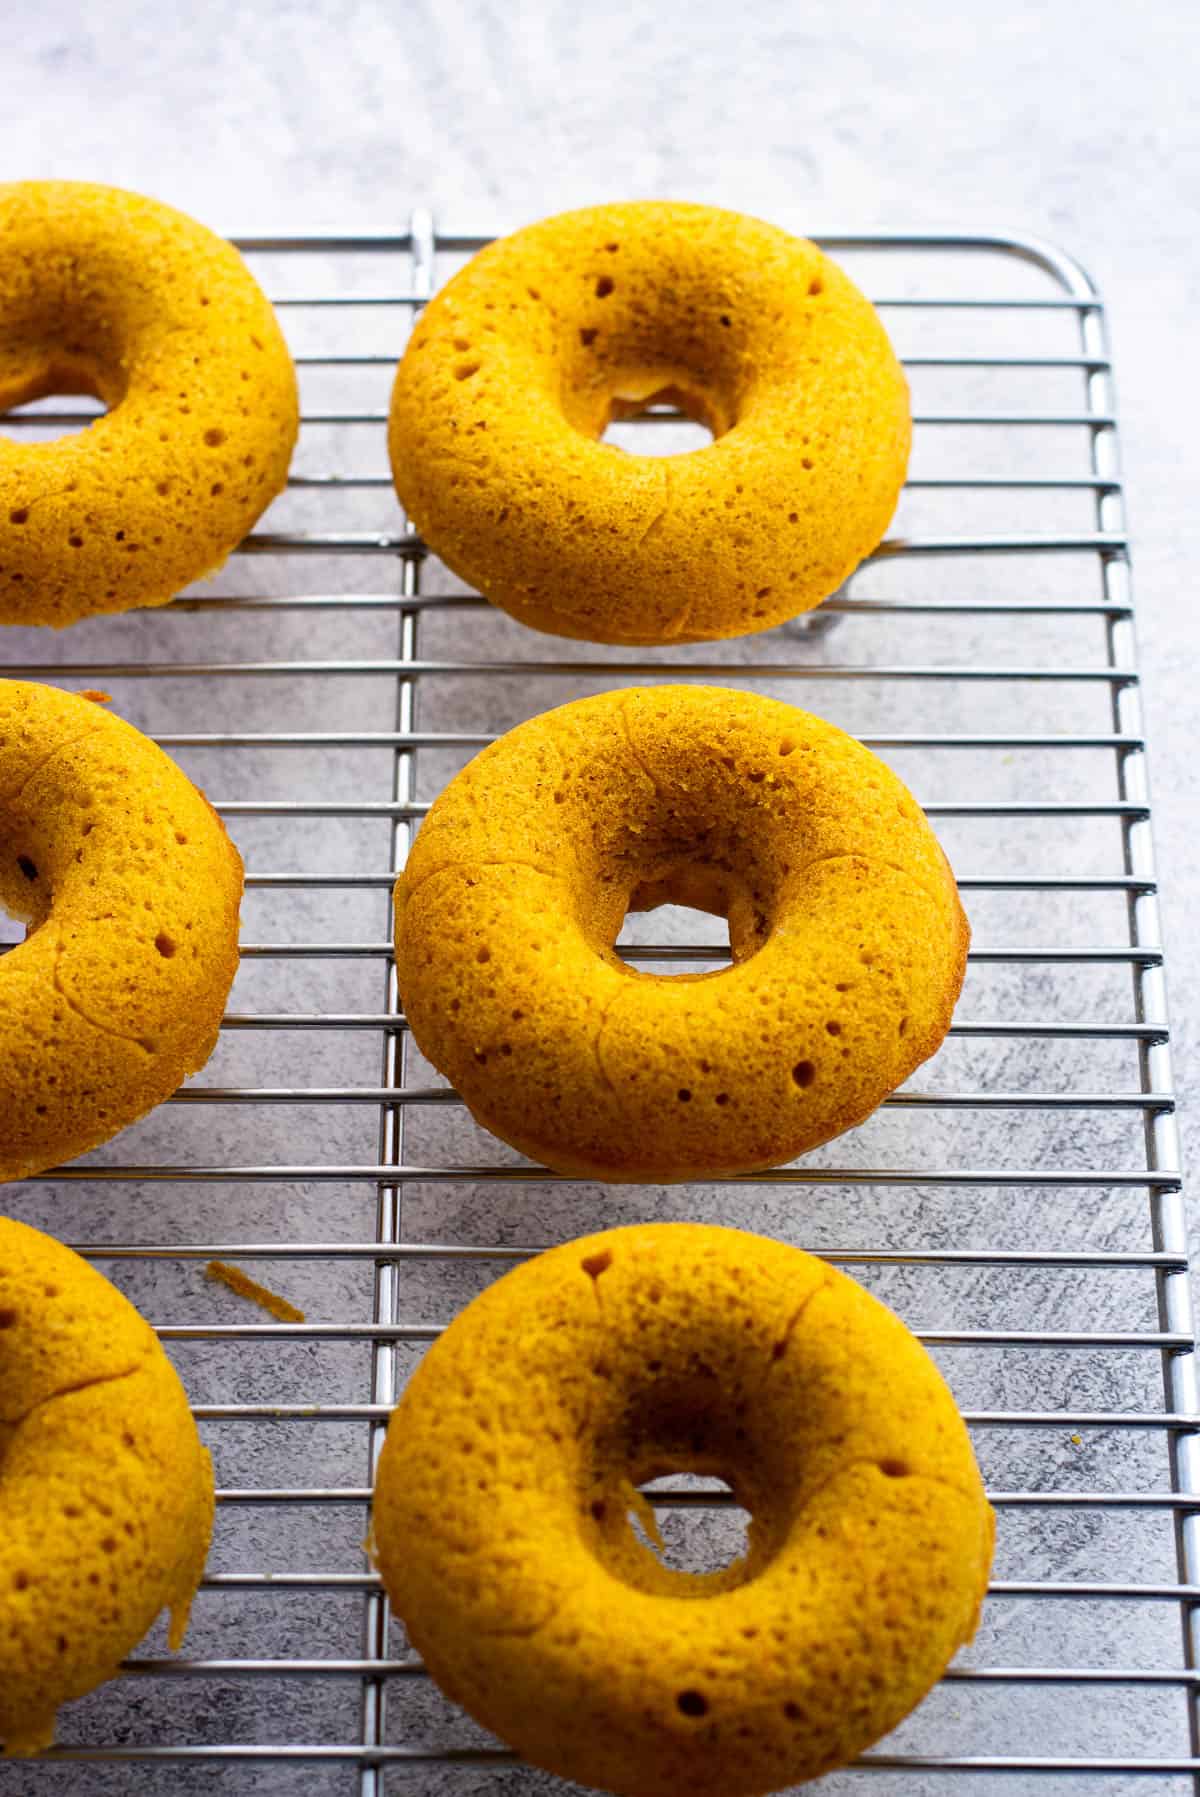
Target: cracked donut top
(106, 1495)
(515, 369)
(511, 1475)
(847, 936)
(129, 889)
(106, 293)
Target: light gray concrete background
(1071, 122)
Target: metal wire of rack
(1021, 1204)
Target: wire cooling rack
(1019, 1203)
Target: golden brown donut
(849, 943)
(107, 293)
(517, 366)
(511, 1468)
(129, 888)
(106, 1495)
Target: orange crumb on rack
(245, 1287)
(96, 696)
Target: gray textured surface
(308, 118)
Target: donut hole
(29, 429)
(674, 436)
(679, 1469)
(13, 930)
(674, 927)
(672, 421)
(650, 379)
(41, 389)
(709, 1534)
(25, 892)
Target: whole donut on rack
(106, 1495)
(106, 293)
(129, 889)
(513, 1464)
(517, 366)
(848, 939)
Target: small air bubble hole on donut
(27, 867)
(692, 1703)
(894, 1469)
(803, 1074)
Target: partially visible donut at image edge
(107, 293)
(129, 889)
(106, 1494)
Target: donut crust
(106, 1494)
(848, 939)
(516, 367)
(511, 1467)
(129, 889)
(107, 293)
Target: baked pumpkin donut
(104, 292)
(129, 888)
(848, 940)
(106, 1495)
(512, 1464)
(518, 365)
